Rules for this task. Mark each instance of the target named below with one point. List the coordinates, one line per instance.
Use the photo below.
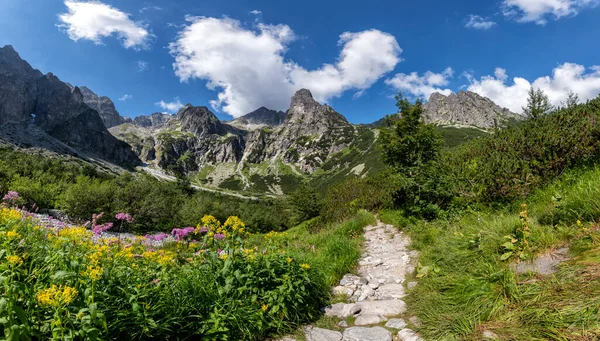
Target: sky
(236, 56)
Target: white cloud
(479, 23)
(150, 8)
(422, 86)
(142, 66)
(94, 20)
(125, 97)
(539, 10)
(249, 69)
(565, 78)
(172, 107)
(256, 12)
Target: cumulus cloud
(565, 78)
(142, 66)
(538, 11)
(422, 86)
(248, 66)
(479, 23)
(125, 97)
(94, 20)
(171, 107)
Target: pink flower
(124, 217)
(156, 281)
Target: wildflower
(14, 260)
(182, 233)
(156, 281)
(219, 236)
(578, 222)
(98, 229)
(210, 221)
(264, 307)
(203, 229)
(223, 256)
(289, 260)
(56, 296)
(305, 266)
(12, 235)
(11, 198)
(93, 272)
(124, 217)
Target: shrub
(61, 284)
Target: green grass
(334, 250)
(468, 288)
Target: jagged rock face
(28, 97)
(465, 108)
(104, 106)
(156, 120)
(259, 118)
(305, 137)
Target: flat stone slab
(545, 264)
(396, 324)
(367, 334)
(366, 320)
(342, 310)
(391, 290)
(320, 334)
(384, 308)
(408, 335)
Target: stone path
(374, 310)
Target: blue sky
(237, 55)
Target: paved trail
(375, 295)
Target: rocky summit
(259, 118)
(52, 113)
(466, 108)
(104, 106)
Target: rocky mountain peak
(305, 110)
(155, 120)
(260, 117)
(200, 121)
(465, 108)
(103, 105)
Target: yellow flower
(210, 221)
(76, 234)
(165, 258)
(305, 266)
(12, 235)
(56, 296)
(14, 260)
(264, 307)
(578, 222)
(223, 256)
(93, 272)
(289, 260)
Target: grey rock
(391, 290)
(340, 290)
(489, 335)
(342, 310)
(385, 308)
(261, 117)
(545, 264)
(104, 106)
(320, 334)
(155, 120)
(466, 108)
(365, 320)
(408, 335)
(343, 324)
(396, 323)
(349, 280)
(367, 334)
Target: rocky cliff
(29, 98)
(155, 120)
(264, 143)
(104, 106)
(466, 108)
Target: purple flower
(182, 233)
(11, 197)
(203, 229)
(157, 237)
(98, 229)
(124, 217)
(219, 236)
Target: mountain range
(265, 151)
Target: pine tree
(572, 100)
(538, 104)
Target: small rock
(411, 285)
(348, 279)
(415, 321)
(385, 308)
(320, 334)
(365, 320)
(343, 324)
(490, 335)
(374, 285)
(340, 290)
(408, 335)
(367, 334)
(362, 281)
(367, 290)
(342, 310)
(392, 290)
(396, 323)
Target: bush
(59, 284)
